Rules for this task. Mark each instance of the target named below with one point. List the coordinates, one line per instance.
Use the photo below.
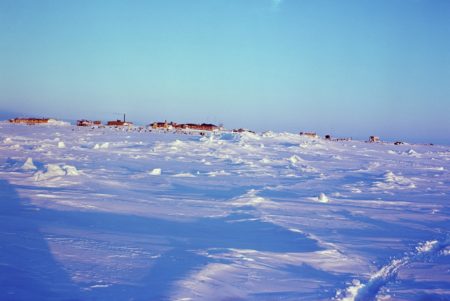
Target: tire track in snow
(363, 292)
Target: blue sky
(348, 68)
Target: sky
(345, 68)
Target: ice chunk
(393, 181)
(103, 145)
(71, 170)
(323, 198)
(412, 153)
(61, 144)
(265, 161)
(427, 246)
(29, 165)
(294, 159)
(52, 171)
(155, 172)
(251, 199)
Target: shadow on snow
(28, 269)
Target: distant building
(374, 139)
(199, 127)
(309, 134)
(163, 125)
(241, 130)
(184, 126)
(119, 122)
(85, 122)
(30, 120)
(327, 137)
(343, 139)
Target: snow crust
(129, 214)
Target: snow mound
(323, 198)
(184, 175)
(369, 291)
(412, 153)
(250, 199)
(208, 139)
(393, 181)
(71, 170)
(177, 143)
(61, 144)
(437, 168)
(7, 140)
(268, 134)
(29, 165)
(294, 159)
(58, 122)
(53, 171)
(218, 173)
(265, 161)
(102, 145)
(155, 172)
(246, 136)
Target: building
(374, 139)
(119, 122)
(84, 122)
(241, 130)
(199, 127)
(163, 125)
(309, 134)
(29, 120)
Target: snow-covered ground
(110, 214)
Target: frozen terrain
(111, 214)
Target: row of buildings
(170, 126)
(372, 139)
(184, 126)
(30, 120)
(155, 125)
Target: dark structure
(84, 122)
(119, 122)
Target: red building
(29, 120)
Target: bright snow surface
(115, 214)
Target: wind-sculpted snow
(128, 214)
(369, 291)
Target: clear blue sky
(350, 68)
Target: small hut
(84, 122)
(374, 139)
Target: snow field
(122, 214)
